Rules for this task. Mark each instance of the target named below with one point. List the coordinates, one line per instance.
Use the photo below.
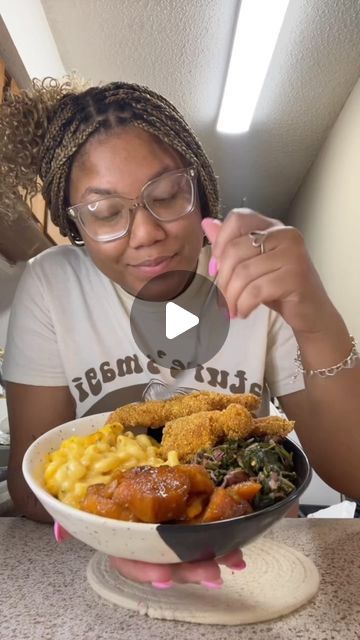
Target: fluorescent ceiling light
(257, 31)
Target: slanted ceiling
(181, 48)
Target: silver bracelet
(348, 363)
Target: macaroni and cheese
(82, 461)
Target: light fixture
(256, 34)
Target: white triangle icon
(178, 320)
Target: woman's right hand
(162, 576)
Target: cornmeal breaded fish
(206, 429)
(155, 413)
(272, 426)
(189, 434)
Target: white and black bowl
(151, 542)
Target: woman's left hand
(279, 275)
(162, 576)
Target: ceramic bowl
(152, 542)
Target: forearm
(32, 411)
(25, 501)
(329, 425)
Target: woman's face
(122, 162)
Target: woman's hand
(162, 576)
(279, 274)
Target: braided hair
(42, 130)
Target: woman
(128, 182)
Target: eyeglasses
(169, 197)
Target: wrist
(349, 362)
(327, 347)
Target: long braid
(59, 119)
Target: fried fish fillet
(155, 413)
(272, 426)
(189, 434)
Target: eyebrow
(99, 191)
(96, 191)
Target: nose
(144, 229)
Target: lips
(154, 262)
(153, 267)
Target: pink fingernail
(213, 267)
(239, 566)
(214, 584)
(166, 584)
(206, 221)
(58, 532)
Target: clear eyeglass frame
(79, 211)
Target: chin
(164, 287)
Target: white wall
(9, 277)
(39, 55)
(327, 211)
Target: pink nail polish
(213, 267)
(166, 584)
(209, 221)
(239, 566)
(212, 584)
(58, 532)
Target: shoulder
(60, 256)
(62, 263)
(59, 270)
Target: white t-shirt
(69, 325)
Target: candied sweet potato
(244, 490)
(222, 506)
(154, 494)
(99, 500)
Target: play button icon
(182, 332)
(178, 320)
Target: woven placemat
(278, 580)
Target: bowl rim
(97, 519)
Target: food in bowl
(162, 543)
(155, 413)
(212, 464)
(83, 461)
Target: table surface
(45, 594)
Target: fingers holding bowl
(60, 534)
(162, 576)
(143, 571)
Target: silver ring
(257, 239)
